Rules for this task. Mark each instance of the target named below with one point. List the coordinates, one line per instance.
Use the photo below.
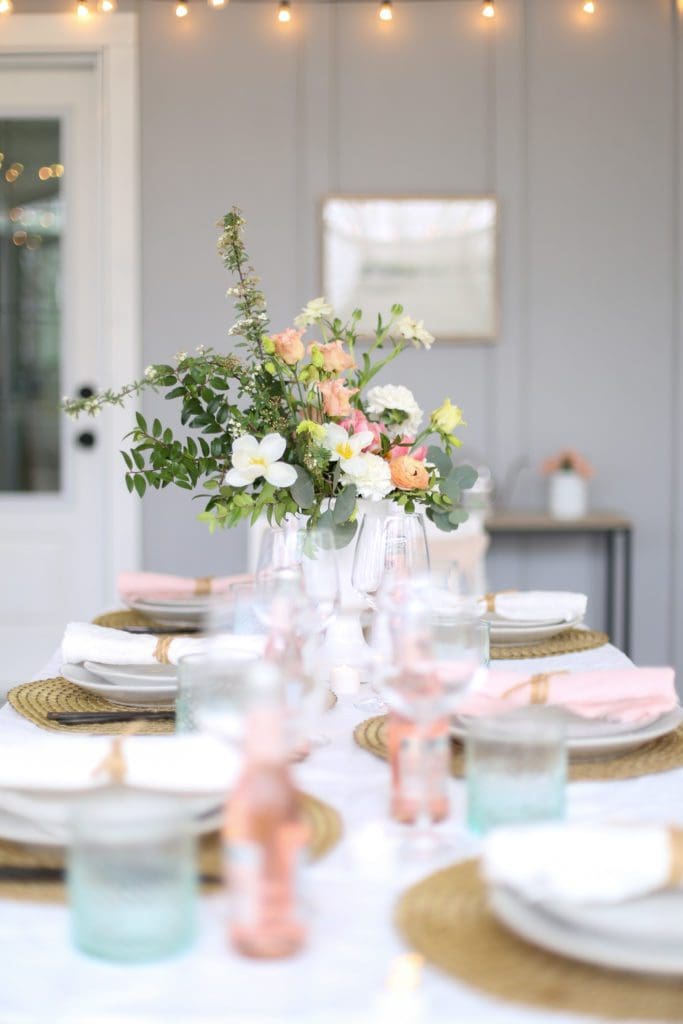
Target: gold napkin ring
(161, 649)
(202, 585)
(540, 686)
(675, 856)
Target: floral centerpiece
(296, 425)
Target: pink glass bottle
(265, 838)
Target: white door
(57, 489)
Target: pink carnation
(397, 451)
(358, 422)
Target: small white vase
(567, 495)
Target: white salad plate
(135, 675)
(601, 738)
(513, 634)
(644, 934)
(127, 694)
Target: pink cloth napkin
(637, 695)
(151, 585)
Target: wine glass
(388, 545)
(300, 557)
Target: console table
(616, 532)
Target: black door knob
(86, 439)
(86, 391)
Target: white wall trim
(112, 42)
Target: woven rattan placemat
(123, 618)
(445, 918)
(654, 756)
(323, 822)
(568, 642)
(35, 700)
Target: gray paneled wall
(572, 121)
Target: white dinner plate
(136, 675)
(596, 742)
(128, 695)
(23, 818)
(185, 612)
(643, 935)
(497, 621)
(518, 633)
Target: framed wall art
(437, 255)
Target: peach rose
(336, 396)
(403, 448)
(408, 474)
(289, 346)
(358, 422)
(335, 359)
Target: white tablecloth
(351, 892)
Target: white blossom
(415, 331)
(314, 311)
(370, 474)
(343, 447)
(252, 458)
(396, 405)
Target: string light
(284, 15)
(106, 6)
(6, 6)
(385, 11)
(487, 9)
(181, 9)
(589, 6)
(216, 3)
(82, 10)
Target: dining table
(350, 894)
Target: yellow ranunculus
(447, 417)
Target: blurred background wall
(574, 122)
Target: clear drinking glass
(212, 689)
(132, 877)
(516, 768)
(391, 544)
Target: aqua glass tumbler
(132, 876)
(516, 768)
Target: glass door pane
(31, 226)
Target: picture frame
(435, 254)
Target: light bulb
(82, 10)
(284, 15)
(6, 6)
(181, 9)
(106, 6)
(589, 7)
(487, 9)
(216, 3)
(385, 11)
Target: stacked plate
(39, 787)
(599, 737)
(174, 612)
(644, 934)
(517, 633)
(147, 686)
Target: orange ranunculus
(336, 396)
(289, 346)
(409, 474)
(335, 359)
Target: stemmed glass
(305, 557)
(389, 548)
(439, 655)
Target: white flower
(415, 331)
(180, 356)
(252, 459)
(313, 311)
(150, 373)
(395, 405)
(370, 474)
(343, 447)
